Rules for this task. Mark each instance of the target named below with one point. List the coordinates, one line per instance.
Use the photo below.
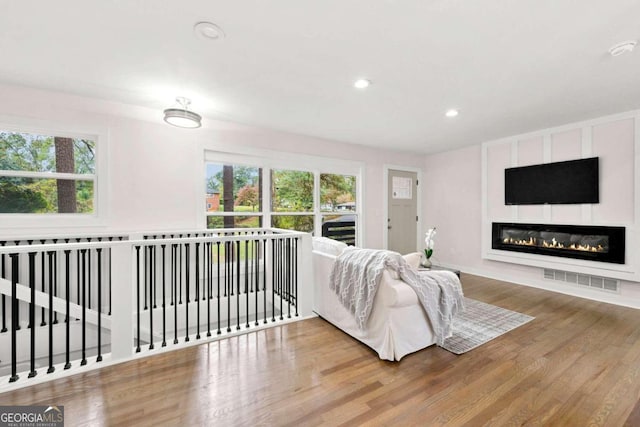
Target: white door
(402, 215)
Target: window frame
(54, 220)
(273, 160)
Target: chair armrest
(395, 292)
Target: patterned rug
(480, 323)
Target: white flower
(429, 239)
(429, 242)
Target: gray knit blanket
(356, 275)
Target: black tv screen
(570, 182)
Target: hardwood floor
(576, 364)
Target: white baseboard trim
(553, 286)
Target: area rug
(480, 323)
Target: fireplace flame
(553, 244)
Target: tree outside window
(292, 192)
(236, 190)
(46, 174)
(234, 200)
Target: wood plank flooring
(576, 364)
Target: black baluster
(273, 280)
(84, 306)
(67, 256)
(289, 266)
(252, 248)
(172, 272)
(265, 248)
(175, 290)
(204, 267)
(42, 281)
(218, 294)
(4, 300)
(151, 288)
(237, 259)
(180, 274)
(18, 327)
(295, 273)
(88, 289)
(78, 277)
(227, 256)
(99, 255)
(256, 269)
(55, 282)
(51, 367)
(186, 287)
(110, 271)
(246, 279)
(164, 298)
(209, 285)
(198, 290)
(138, 298)
(282, 271)
(14, 316)
(30, 243)
(155, 276)
(146, 276)
(228, 278)
(32, 311)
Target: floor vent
(582, 280)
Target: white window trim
(268, 160)
(55, 221)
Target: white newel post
(122, 313)
(305, 277)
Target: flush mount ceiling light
(208, 31)
(182, 117)
(622, 48)
(362, 83)
(451, 113)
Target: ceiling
(509, 67)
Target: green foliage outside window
(36, 153)
(291, 191)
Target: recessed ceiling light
(208, 31)
(622, 48)
(451, 113)
(362, 83)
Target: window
(292, 200)
(244, 191)
(234, 196)
(46, 174)
(338, 206)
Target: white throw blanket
(356, 275)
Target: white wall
(155, 171)
(454, 200)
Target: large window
(239, 196)
(45, 174)
(234, 196)
(292, 200)
(338, 207)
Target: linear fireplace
(595, 243)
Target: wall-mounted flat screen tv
(570, 182)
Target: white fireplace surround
(616, 140)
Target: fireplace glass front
(596, 243)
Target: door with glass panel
(402, 215)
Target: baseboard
(552, 286)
